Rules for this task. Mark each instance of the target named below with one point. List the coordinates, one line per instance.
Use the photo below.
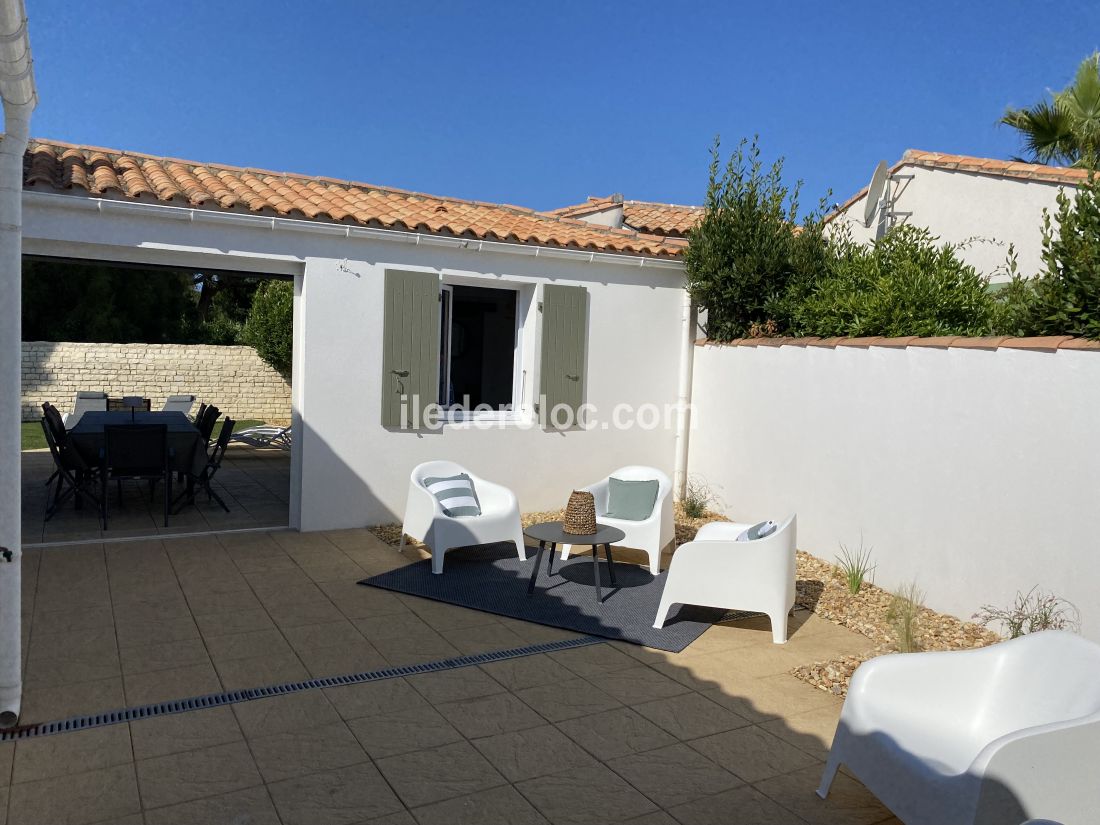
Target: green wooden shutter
(564, 328)
(410, 353)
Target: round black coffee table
(551, 533)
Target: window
(477, 347)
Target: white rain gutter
(197, 215)
(19, 99)
(683, 395)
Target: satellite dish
(875, 189)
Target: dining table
(187, 446)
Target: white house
(402, 295)
(981, 203)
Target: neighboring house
(399, 293)
(981, 203)
(665, 219)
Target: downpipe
(683, 395)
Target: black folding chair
(139, 452)
(74, 476)
(205, 476)
(207, 422)
(200, 413)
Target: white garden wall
(975, 472)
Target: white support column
(17, 91)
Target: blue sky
(544, 104)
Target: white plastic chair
(178, 403)
(426, 521)
(85, 401)
(265, 436)
(652, 535)
(716, 570)
(1001, 734)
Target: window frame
(524, 300)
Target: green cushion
(631, 500)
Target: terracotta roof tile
(131, 175)
(667, 219)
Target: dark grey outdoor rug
(493, 579)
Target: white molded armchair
(716, 570)
(426, 521)
(998, 735)
(652, 535)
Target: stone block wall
(236, 379)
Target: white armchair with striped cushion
(448, 506)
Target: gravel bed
(821, 588)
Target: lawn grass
(33, 439)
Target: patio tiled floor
(605, 733)
(255, 485)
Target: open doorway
(154, 345)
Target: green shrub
(697, 498)
(901, 284)
(1032, 612)
(855, 566)
(748, 248)
(269, 327)
(1066, 299)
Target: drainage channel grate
(231, 697)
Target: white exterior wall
(958, 206)
(973, 472)
(350, 470)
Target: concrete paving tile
(205, 603)
(690, 715)
(401, 731)
(173, 683)
(277, 578)
(47, 704)
(149, 609)
(193, 730)
(277, 714)
(811, 732)
(744, 804)
(402, 817)
(489, 715)
(588, 794)
(483, 638)
(79, 655)
(133, 632)
(673, 775)
(525, 754)
(79, 799)
(655, 818)
(375, 698)
(47, 757)
(413, 651)
(7, 757)
(445, 617)
(496, 806)
(773, 696)
(616, 732)
(353, 657)
(64, 621)
(225, 648)
(163, 656)
(251, 806)
(592, 660)
(237, 674)
(637, 684)
(848, 803)
(752, 753)
(237, 621)
(326, 634)
(303, 613)
(337, 797)
(567, 700)
(528, 671)
(306, 750)
(337, 569)
(454, 685)
(426, 776)
(181, 777)
(358, 602)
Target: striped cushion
(455, 494)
